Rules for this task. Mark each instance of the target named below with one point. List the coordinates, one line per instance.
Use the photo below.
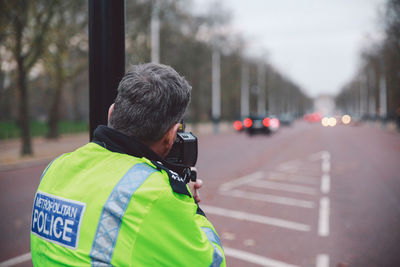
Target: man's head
(152, 99)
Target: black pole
(106, 57)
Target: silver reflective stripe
(213, 238)
(113, 211)
(48, 166)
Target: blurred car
(259, 124)
(286, 119)
(314, 117)
(238, 126)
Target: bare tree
(27, 25)
(379, 75)
(64, 40)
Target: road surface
(304, 196)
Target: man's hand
(195, 187)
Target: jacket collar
(118, 142)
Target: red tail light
(238, 125)
(266, 122)
(247, 122)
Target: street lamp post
(155, 32)
(106, 56)
(244, 93)
(216, 89)
(261, 88)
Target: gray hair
(151, 98)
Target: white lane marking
(270, 198)
(254, 258)
(290, 163)
(325, 166)
(251, 217)
(240, 181)
(290, 171)
(289, 166)
(16, 260)
(277, 176)
(325, 155)
(285, 187)
(322, 260)
(323, 220)
(314, 157)
(318, 155)
(326, 163)
(325, 183)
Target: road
(304, 196)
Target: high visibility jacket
(96, 207)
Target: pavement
(44, 150)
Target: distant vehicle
(257, 124)
(286, 119)
(314, 117)
(238, 126)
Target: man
(112, 201)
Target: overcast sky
(314, 42)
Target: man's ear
(164, 145)
(170, 136)
(169, 139)
(110, 110)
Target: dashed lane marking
(254, 258)
(326, 166)
(325, 155)
(245, 216)
(17, 260)
(323, 222)
(322, 260)
(325, 183)
(307, 178)
(241, 181)
(290, 166)
(296, 178)
(324, 212)
(285, 187)
(316, 156)
(291, 163)
(270, 198)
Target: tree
(27, 26)
(63, 43)
(391, 53)
(379, 74)
(187, 42)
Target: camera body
(184, 150)
(183, 154)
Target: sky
(316, 43)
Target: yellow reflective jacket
(98, 207)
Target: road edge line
(245, 216)
(16, 260)
(254, 258)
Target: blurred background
(320, 80)
(289, 54)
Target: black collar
(118, 142)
